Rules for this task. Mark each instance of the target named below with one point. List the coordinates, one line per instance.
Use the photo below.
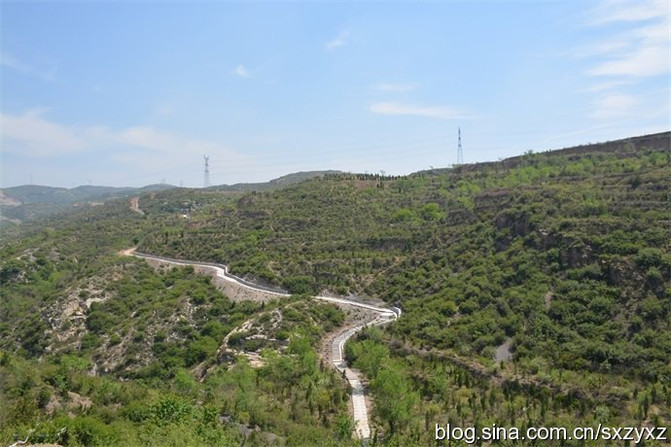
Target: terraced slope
(560, 262)
(562, 256)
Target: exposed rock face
(616, 270)
(492, 199)
(245, 201)
(8, 201)
(518, 223)
(546, 240)
(575, 255)
(67, 317)
(503, 352)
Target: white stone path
(360, 412)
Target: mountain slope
(22, 203)
(535, 291)
(564, 257)
(279, 182)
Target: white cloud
(165, 110)
(339, 41)
(149, 138)
(635, 48)
(645, 61)
(602, 48)
(241, 71)
(10, 61)
(396, 108)
(606, 85)
(395, 87)
(610, 11)
(642, 50)
(133, 155)
(615, 105)
(32, 134)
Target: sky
(126, 93)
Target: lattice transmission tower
(460, 152)
(206, 176)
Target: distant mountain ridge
(533, 290)
(285, 180)
(20, 203)
(27, 202)
(29, 194)
(623, 147)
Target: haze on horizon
(125, 94)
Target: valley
(534, 291)
(381, 316)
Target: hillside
(21, 203)
(279, 182)
(32, 194)
(562, 256)
(27, 202)
(535, 291)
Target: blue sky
(128, 94)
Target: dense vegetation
(535, 291)
(100, 349)
(565, 257)
(568, 256)
(28, 202)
